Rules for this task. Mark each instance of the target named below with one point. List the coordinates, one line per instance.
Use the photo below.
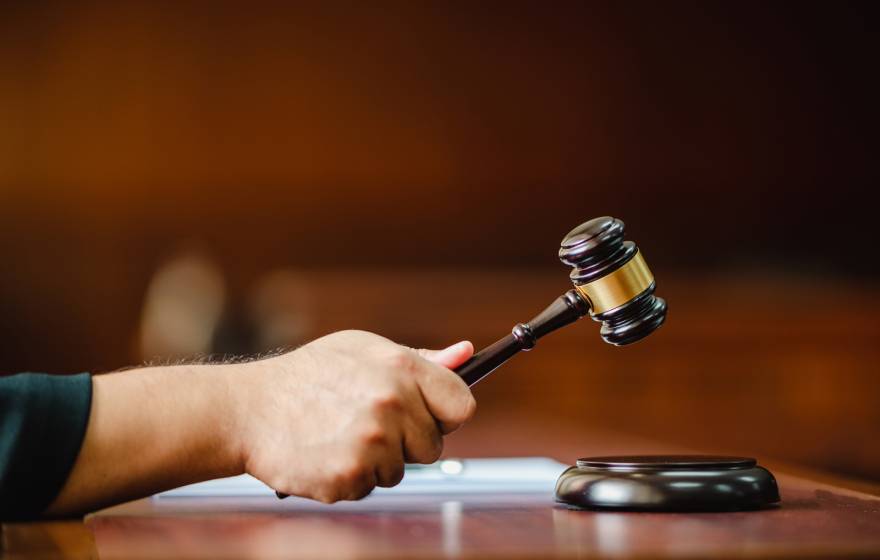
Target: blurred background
(183, 178)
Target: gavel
(612, 283)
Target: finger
(450, 357)
(446, 396)
(363, 488)
(422, 441)
(389, 468)
(379, 444)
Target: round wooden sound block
(667, 483)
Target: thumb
(450, 357)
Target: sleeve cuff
(53, 414)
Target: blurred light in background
(182, 307)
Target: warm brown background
(375, 147)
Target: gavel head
(611, 275)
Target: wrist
(260, 396)
(230, 392)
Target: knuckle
(391, 475)
(389, 400)
(361, 492)
(349, 476)
(401, 359)
(428, 455)
(428, 449)
(371, 436)
(433, 450)
(436, 450)
(469, 408)
(396, 475)
(357, 482)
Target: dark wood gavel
(612, 283)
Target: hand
(341, 415)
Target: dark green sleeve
(43, 420)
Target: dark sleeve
(43, 420)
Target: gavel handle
(488, 359)
(566, 309)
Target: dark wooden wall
(732, 137)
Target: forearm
(153, 429)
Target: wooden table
(817, 518)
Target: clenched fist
(341, 415)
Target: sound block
(667, 483)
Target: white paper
(447, 477)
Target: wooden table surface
(816, 519)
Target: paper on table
(450, 476)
